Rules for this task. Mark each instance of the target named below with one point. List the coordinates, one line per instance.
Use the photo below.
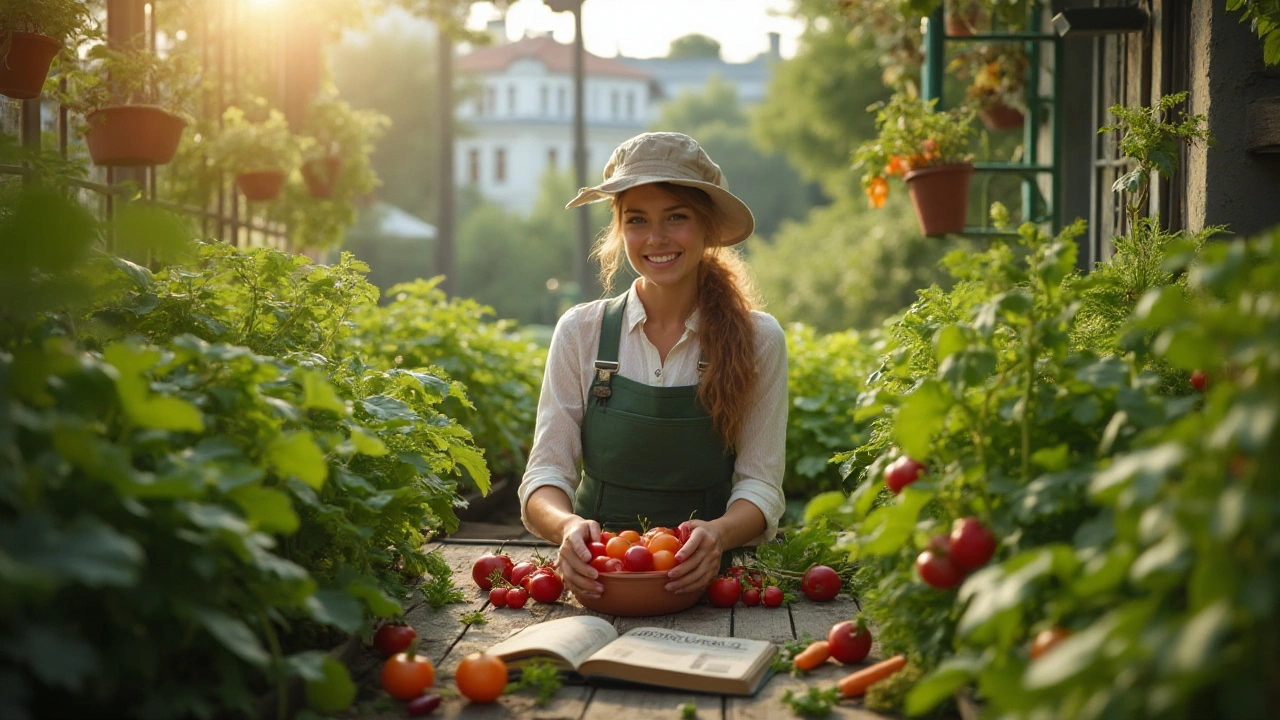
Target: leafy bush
(254, 142)
(423, 327)
(161, 470)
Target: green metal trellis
(1032, 166)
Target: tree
(693, 46)
(766, 183)
(816, 108)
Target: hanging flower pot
(24, 69)
(260, 185)
(941, 197)
(133, 135)
(1001, 117)
(321, 174)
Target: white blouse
(557, 439)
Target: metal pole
(935, 57)
(586, 284)
(444, 221)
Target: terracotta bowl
(636, 594)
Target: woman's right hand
(575, 557)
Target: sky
(645, 28)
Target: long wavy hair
(726, 297)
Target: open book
(673, 659)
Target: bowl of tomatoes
(633, 571)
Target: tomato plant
(481, 678)
(392, 638)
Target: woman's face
(664, 238)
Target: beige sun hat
(676, 159)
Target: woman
(671, 397)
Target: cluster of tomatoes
(629, 551)
(511, 584)
(820, 584)
(407, 676)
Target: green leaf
(334, 692)
(1249, 423)
(366, 443)
(1104, 572)
(1108, 372)
(318, 393)
(922, 414)
(941, 684)
(1161, 306)
(951, 339)
(1196, 648)
(336, 608)
(266, 509)
(57, 658)
(823, 504)
(297, 455)
(232, 634)
(85, 551)
(389, 410)
(473, 463)
(379, 604)
(1146, 468)
(1070, 657)
(996, 595)
(308, 664)
(889, 527)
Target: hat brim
(736, 219)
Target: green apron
(647, 452)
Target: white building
(521, 122)
(675, 77)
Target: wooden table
(446, 640)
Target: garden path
(446, 640)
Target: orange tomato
(663, 541)
(630, 536)
(878, 192)
(481, 677)
(664, 560)
(406, 675)
(617, 547)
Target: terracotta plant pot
(26, 66)
(941, 197)
(637, 594)
(260, 184)
(321, 175)
(133, 135)
(1001, 117)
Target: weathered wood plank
(616, 703)
(768, 705)
(762, 623)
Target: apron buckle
(602, 391)
(604, 376)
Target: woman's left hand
(699, 559)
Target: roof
(396, 223)
(557, 57)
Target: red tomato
(498, 597)
(751, 597)
(521, 571)
(393, 638)
(772, 596)
(599, 563)
(486, 564)
(597, 550)
(938, 570)
(1047, 639)
(940, 544)
(606, 536)
(820, 583)
(481, 677)
(972, 544)
(613, 565)
(638, 559)
(516, 597)
(849, 642)
(406, 675)
(546, 587)
(683, 531)
(723, 592)
(1199, 380)
(901, 473)
(424, 705)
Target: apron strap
(607, 351)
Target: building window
(491, 100)
(499, 165)
(511, 100)
(544, 100)
(613, 104)
(631, 105)
(561, 101)
(551, 159)
(473, 166)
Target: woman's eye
(634, 220)
(679, 216)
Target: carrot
(812, 656)
(856, 683)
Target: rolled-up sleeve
(762, 445)
(557, 439)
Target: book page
(674, 651)
(570, 639)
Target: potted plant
(929, 149)
(962, 17)
(32, 32)
(261, 154)
(337, 138)
(135, 105)
(998, 83)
